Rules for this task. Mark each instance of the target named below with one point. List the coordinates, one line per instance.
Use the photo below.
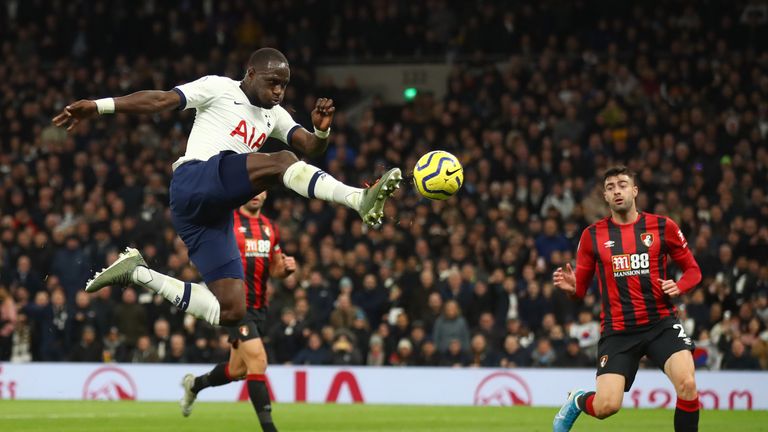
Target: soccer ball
(438, 175)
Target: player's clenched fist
(290, 264)
(670, 287)
(75, 112)
(565, 279)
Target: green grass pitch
(45, 416)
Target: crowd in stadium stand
(678, 93)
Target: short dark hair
(619, 170)
(262, 56)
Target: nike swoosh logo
(450, 173)
(239, 103)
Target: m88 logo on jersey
(630, 264)
(257, 248)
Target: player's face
(256, 203)
(620, 192)
(267, 87)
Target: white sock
(311, 182)
(189, 297)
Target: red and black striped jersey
(258, 240)
(630, 259)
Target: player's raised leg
(221, 374)
(680, 370)
(604, 402)
(130, 268)
(265, 169)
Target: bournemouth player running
(259, 242)
(629, 250)
(224, 168)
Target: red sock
(588, 408)
(688, 405)
(584, 402)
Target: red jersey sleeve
(275, 241)
(585, 264)
(677, 246)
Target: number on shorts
(682, 330)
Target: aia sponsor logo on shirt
(635, 264)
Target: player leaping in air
(629, 252)
(259, 243)
(222, 169)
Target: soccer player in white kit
(222, 169)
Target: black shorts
(253, 326)
(620, 353)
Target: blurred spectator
(428, 355)
(344, 351)
(89, 349)
(130, 318)
(83, 316)
(454, 356)
(544, 355)
(27, 277)
(514, 355)
(285, 338)
(21, 342)
(404, 356)
(587, 332)
(572, 357)
(344, 313)
(481, 355)
(739, 358)
(177, 353)
(144, 353)
(72, 267)
(114, 350)
(376, 355)
(451, 326)
(8, 319)
(161, 339)
(314, 354)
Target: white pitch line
(68, 416)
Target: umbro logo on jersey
(242, 229)
(609, 244)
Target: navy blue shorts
(203, 196)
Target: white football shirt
(226, 120)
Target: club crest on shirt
(647, 239)
(603, 361)
(266, 231)
(244, 330)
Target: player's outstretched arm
(142, 102)
(314, 144)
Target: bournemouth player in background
(628, 251)
(259, 243)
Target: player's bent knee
(606, 408)
(284, 159)
(686, 388)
